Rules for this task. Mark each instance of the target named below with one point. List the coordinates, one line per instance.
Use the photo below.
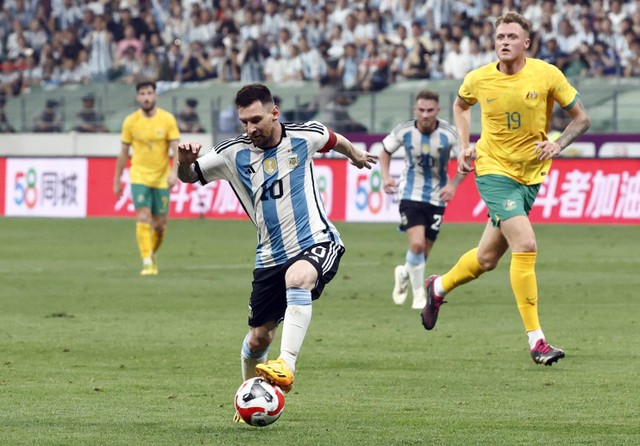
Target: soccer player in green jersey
(152, 133)
(512, 158)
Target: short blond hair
(514, 17)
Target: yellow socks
(525, 287)
(467, 269)
(143, 236)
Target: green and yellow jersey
(149, 139)
(516, 112)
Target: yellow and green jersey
(149, 139)
(516, 112)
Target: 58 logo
(25, 190)
(369, 193)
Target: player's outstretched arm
(187, 155)
(359, 158)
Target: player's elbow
(586, 121)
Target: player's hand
(364, 159)
(447, 192)
(464, 160)
(188, 152)
(117, 188)
(390, 185)
(547, 150)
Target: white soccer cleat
(419, 300)
(401, 285)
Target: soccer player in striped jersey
(512, 159)
(270, 168)
(424, 188)
(152, 133)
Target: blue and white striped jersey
(426, 158)
(277, 189)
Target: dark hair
(514, 17)
(143, 84)
(251, 93)
(428, 95)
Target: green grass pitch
(93, 354)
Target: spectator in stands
(550, 53)
(456, 63)
(150, 67)
(417, 62)
(66, 15)
(129, 41)
(195, 65)
(48, 121)
(373, 72)
(188, 119)
(100, 55)
(604, 60)
(398, 64)
(252, 59)
(127, 67)
(50, 74)
(175, 27)
(86, 25)
(577, 62)
(348, 68)
(568, 40)
(10, 81)
(88, 120)
(71, 73)
(36, 36)
(338, 114)
(126, 17)
(314, 66)
(436, 59)
(275, 66)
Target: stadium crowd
(361, 45)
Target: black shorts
(268, 300)
(417, 213)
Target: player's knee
(259, 341)
(301, 276)
(488, 261)
(417, 248)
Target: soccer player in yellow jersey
(152, 133)
(512, 158)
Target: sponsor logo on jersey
(532, 95)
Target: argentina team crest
(293, 161)
(270, 166)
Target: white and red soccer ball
(259, 402)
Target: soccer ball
(259, 402)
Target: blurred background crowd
(362, 45)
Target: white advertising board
(46, 187)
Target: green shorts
(150, 197)
(505, 197)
